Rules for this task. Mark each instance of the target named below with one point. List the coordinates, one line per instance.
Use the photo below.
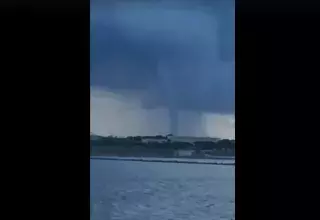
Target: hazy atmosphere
(162, 67)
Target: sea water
(132, 190)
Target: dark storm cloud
(183, 58)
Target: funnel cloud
(173, 55)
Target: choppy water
(126, 190)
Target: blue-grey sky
(172, 55)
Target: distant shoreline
(162, 147)
(171, 160)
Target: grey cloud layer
(175, 55)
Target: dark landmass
(160, 146)
(165, 161)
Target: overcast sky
(147, 59)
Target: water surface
(126, 190)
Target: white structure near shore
(154, 139)
(171, 138)
(183, 153)
(191, 140)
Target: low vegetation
(134, 145)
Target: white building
(191, 139)
(183, 153)
(154, 139)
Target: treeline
(115, 141)
(136, 141)
(224, 144)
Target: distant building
(207, 151)
(191, 140)
(183, 153)
(154, 139)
